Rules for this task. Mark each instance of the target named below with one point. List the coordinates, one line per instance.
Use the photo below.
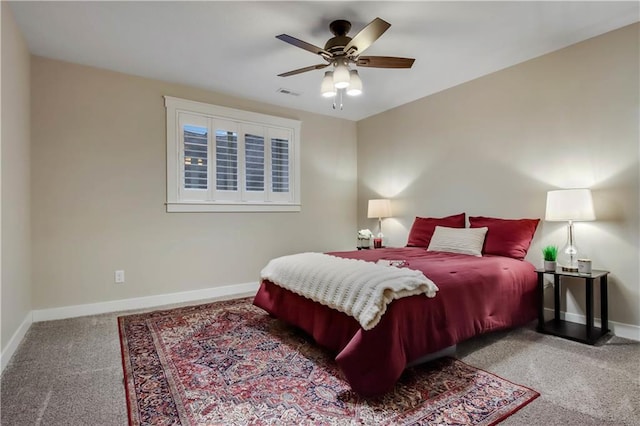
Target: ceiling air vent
(287, 92)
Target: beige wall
(99, 190)
(16, 229)
(495, 145)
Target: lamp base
(568, 256)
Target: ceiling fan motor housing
(339, 28)
(337, 44)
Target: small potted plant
(550, 255)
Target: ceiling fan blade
(305, 69)
(367, 36)
(384, 62)
(304, 45)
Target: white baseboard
(143, 302)
(15, 341)
(119, 305)
(620, 329)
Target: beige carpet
(69, 372)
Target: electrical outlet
(119, 276)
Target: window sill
(231, 207)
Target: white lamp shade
(326, 89)
(355, 85)
(341, 76)
(569, 204)
(379, 208)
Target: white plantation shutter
(254, 158)
(279, 165)
(221, 159)
(226, 160)
(255, 162)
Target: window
(222, 159)
(195, 153)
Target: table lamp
(570, 205)
(379, 208)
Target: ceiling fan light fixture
(326, 89)
(355, 86)
(341, 76)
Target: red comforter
(477, 295)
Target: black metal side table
(584, 333)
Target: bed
(477, 294)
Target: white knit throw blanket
(358, 288)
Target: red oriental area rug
(229, 363)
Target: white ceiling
(230, 47)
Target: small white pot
(550, 265)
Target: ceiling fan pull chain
(338, 97)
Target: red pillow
(506, 237)
(424, 227)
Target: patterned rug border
(127, 389)
(163, 312)
(534, 396)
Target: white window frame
(180, 199)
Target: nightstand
(584, 333)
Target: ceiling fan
(341, 46)
(342, 51)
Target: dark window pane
(195, 157)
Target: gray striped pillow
(458, 240)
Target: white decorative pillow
(458, 240)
